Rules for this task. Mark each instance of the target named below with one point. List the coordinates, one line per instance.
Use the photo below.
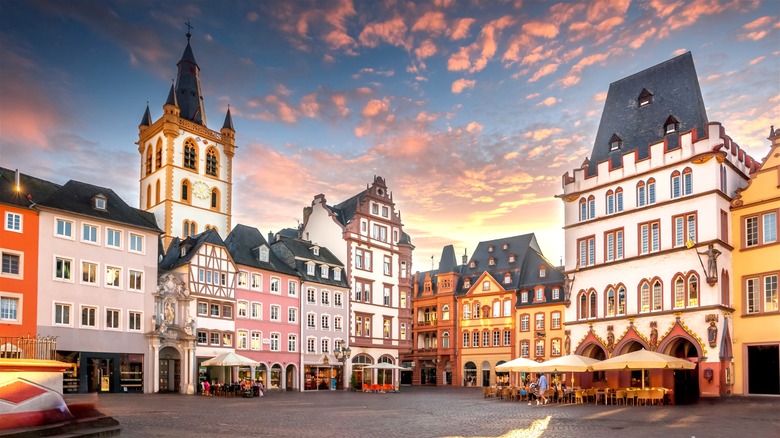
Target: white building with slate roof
(647, 229)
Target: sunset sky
(471, 110)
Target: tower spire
(188, 92)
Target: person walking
(542, 389)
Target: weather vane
(189, 28)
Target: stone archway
(291, 378)
(686, 382)
(170, 369)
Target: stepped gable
(671, 90)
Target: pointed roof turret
(188, 93)
(146, 120)
(228, 121)
(171, 100)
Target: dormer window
(542, 272)
(507, 278)
(472, 264)
(671, 125)
(324, 271)
(505, 246)
(263, 254)
(183, 251)
(99, 202)
(645, 98)
(511, 258)
(467, 283)
(492, 261)
(337, 274)
(310, 268)
(615, 142)
(490, 248)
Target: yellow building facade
(756, 269)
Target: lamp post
(342, 354)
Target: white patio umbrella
(384, 366)
(643, 360)
(518, 364)
(230, 360)
(572, 363)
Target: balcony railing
(28, 347)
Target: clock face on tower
(201, 190)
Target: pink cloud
(374, 107)
(541, 134)
(759, 22)
(540, 29)
(426, 50)
(550, 101)
(757, 60)
(461, 84)
(474, 127)
(665, 8)
(544, 71)
(532, 96)
(432, 22)
(476, 56)
(460, 29)
(392, 32)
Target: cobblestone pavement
(427, 412)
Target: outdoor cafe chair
(631, 396)
(620, 396)
(578, 396)
(657, 396)
(486, 392)
(643, 396)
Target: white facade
(663, 239)
(97, 297)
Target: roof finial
(189, 28)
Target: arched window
(640, 194)
(657, 295)
(190, 155)
(621, 310)
(149, 160)
(610, 302)
(157, 192)
(185, 228)
(583, 209)
(214, 199)
(158, 157)
(593, 308)
(679, 293)
(445, 339)
(583, 306)
(445, 312)
(693, 290)
(618, 200)
(676, 184)
(193, 228)
(149, 196)
(644, 297)
(610, 201)
(185, 191)
(212, 162)
(687, 181)
(651, 191)
(591, 207)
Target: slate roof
(447, 264)
(345, 211)
(37, 189)
(188, 88)
(299, 252)
(173, 258)
(524, 271)
(243, 242)
(74, 197)
(675, 91)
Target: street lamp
(342, 354)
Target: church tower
(186, 172)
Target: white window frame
(54, 271)
(95, 228)
(278, 309)
(256, 285)
(130, 317)
(292, 315)
(57, 221)
(292, 343)
(19, 298)
(275, 346)
(140, 282)
(242, 339)
(116, 312)
(338, 299)
(258, 336)
(95, 283)
(97, 316)
(70, 314)
(109, 231)
(118, 277)
(243, 279)
(139, 238)
(292, 288)
(275, 286)
(256, 315)
(239, 312)
(20, 255)
(11, 225)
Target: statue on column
(712, 263)
(567, 343)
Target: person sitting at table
(554, 387)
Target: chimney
(270, 237)
(17, 183)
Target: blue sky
(471, 110)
